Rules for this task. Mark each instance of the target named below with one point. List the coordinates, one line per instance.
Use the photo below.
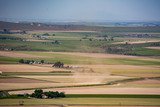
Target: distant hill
(41, 26)
(29, 26)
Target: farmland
(102, 67)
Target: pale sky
(81, 10)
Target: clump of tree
(26, 61)
(58, 64)
(52, 94)
(38, 93)
(56, 42)
(46, 34)
(90, 39)
(42, 61)
(22, 61)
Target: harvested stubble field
(99, 90)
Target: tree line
(38, 93)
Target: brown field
(98, 90)
(80, 106)
(124, 70)
(20, 80)
(147, 81)
(84, 78)
(115, 106)
(137, 42)
(13, 86)
(36, 106)
(102, 55)
(23, 68)
(17, 54)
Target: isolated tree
(90, 39)
(42, 61)
(21, 61)
(58, 64)
(56, 42)
(111, 39)
(46, 34)
(62, 94)
(37, 93)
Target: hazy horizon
(80, 10)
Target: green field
(80, 42)
(85, 101)
(76, 59)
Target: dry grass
(23, 68)
(99, 55)
(158, 48)
(125, 70)
(148, 83)
(19, 80)
(83, 78)
(99, 90)
(14, 86)
(137, 42)
(79, 106)
(17, 54)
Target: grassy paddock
(85, 101)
